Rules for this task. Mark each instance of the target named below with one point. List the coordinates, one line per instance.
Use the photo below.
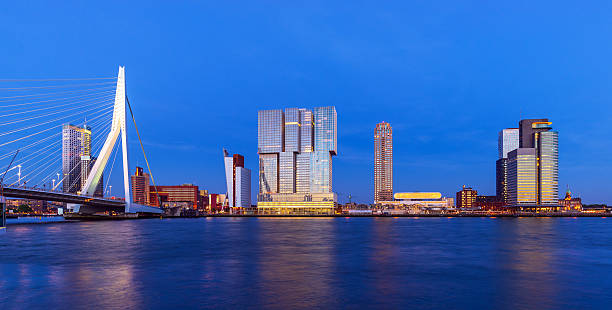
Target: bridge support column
(3, 222)
(118, 131)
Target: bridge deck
(95, 202)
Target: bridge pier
(3, 221)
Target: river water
(288, 263)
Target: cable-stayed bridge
(59, 141)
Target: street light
(110, 187)
(53, 188)
(58, 181)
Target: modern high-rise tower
(238, 180)
(508, 140)
(295, 148)
(533, 168)
(76, 142)
(383, 162)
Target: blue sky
(447, 75)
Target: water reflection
(291, 263)
(295, 266)
(527, 255)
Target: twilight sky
(447, 75)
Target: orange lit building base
(296, 208)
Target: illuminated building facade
(295, 148)
(186, 193)
(522, 176)
(533, 168)
(466, 197)
(140, 187)
(238, 181)
(383, 162)
(569, 203)
(508, 140)
(418, 202)
(76, 142)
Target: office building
(76, 142)
(186, 195)
(238, 180)
(528, 129)
(466, 197)
(508, 140)
(533, 168)
(140, 187)
(383, 162)
(295, 148)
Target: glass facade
(522, 177)
(295, 147)
(302, 173)
(270, 131)
(292, 130)
(501, 180)
(268, 173)
(306, 131)
(321, 172)
(326, 132)
(507, 141)
(287, 172)
(383, 162)
(533, 172)
(548, 164)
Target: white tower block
(118, 126)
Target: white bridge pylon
(118, 126)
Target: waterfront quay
(77, 217)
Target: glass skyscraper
(533, 168)
(295, 148)
(507, 141)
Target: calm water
(539, 263)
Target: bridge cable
(110, 173)
(60, 79)
(143, 151)
(48, 101)
(52, 86)
(97, 145)
(2, 179)
(30, 177)
(49, 137)
(51, 113)
(25, 128)
(14, 121)
(44, 95)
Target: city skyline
(418, 80)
